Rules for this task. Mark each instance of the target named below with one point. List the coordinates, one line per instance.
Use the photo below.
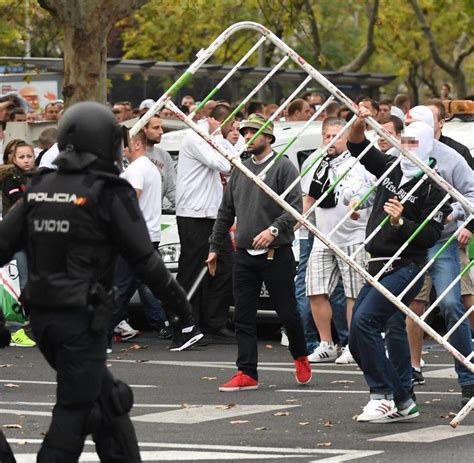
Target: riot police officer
(74, 221)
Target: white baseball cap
(146, 104)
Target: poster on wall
(36, 93)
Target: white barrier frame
(203, 56)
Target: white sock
(327, 344)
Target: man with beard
(264, 235)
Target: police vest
(69, 246)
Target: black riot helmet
(89, 135)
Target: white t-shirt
(358, 180)
(144, 176)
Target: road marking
(348, 391)
(51, 404)
(198, 452)
(53, 383)
(231, 366)
(444, 373)
(427, 435)
(202, 413)
(8, 411)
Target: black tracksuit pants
(213, 298)
(278, 274)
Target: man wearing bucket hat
(264, 235)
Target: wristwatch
(274, 231)
(398, 224)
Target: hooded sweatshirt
(418, 206)
(451, 166)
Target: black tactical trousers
(84, 390)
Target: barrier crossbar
(425, 172)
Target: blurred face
(32, 117)
(24, 158)
(165, 112)
(261, 145)
(227, 127)
(340, 145)
(51, 113)
(233, 135)
(187, 101)
(153, 131)
(384, 111)
(19, 117)
(383, 144)
(305, 113)
(119, 111)
(316, 100)
(368, 105)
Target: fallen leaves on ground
(209, 378)
(448, 416)
(304, 423)
(281, 414)
(11, 385)
(185, 405)
(263, 428)
(291, 400)
(324, 444)
(328, 424)
(225, 407)
(12, 426)
(6, 365)
(268, 346)
(137, 346)
(342, 381)
(240, 422)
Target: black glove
(5, 336)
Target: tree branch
(431, 41)
(313, 24)
(463, 55)
(366, 53)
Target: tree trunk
(85, 65)
(86, 25)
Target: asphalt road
(181, 416)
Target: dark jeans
(213, 298)
(371, 313)
(278, 274)
(78, 356)
(126, 284)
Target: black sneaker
(222, 336)
(417, 377)
(182, 341)
(166, 332)
(467, 393)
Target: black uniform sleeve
(374, 160)
(12, 232)
(431, 232)
(12, 189)
(131, 236)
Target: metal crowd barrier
(265, 35)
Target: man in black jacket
(407, 205)
(75, 220)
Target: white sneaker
(125, 332)
(323, 354)
(284, 339)
(345, 357)
(377, 409)
(422, 363)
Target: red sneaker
(303, 370)
(239, 382)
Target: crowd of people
(328, 312)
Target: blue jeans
(302, 301)
(444, 270)
(338, 301)
(370, 315)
